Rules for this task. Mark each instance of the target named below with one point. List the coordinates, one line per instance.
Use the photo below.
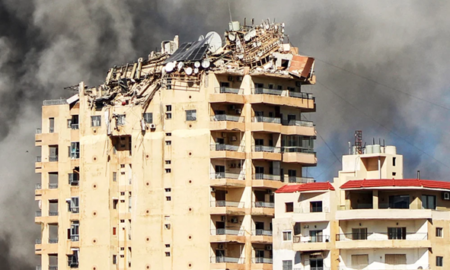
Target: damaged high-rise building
(172, 162)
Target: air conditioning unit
(220, 246)
(223, 218)
(268, 247)
(240, 78)
(152, 126)
(238, 111)
(446, 196)
(234, 220)
(233, 138)
(230, 78)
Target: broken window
(121, 120)
(148, 118)
(96, 121)
(73, 259)
(73, 204)
(74, 178)
(74, 231)
(191, 115)
(74, 150)
(74, 124)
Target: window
(168, 134)
(399, 202)
(168, 162)
(168, 189)
(360, 261)
(393, 161)
(121, 120)
(51, 125)
(289, 207)
(114, 176)
(148, 118)
(167, 226)
(74, 150)
(191, 115)
(73, 259)
(74, 231)
(439, 261)
(114, 259)
(287, 265)
(395, 259)
(316, 206)
(168, 170)
(397, 233)
(279, 87)
(292, 176)
(429, 202)
(287, 236)
(297, 228)
(270, 86)
(96, 121)
(114, 232)
(167, 245)
(169, 83)
(168, 198)
(73, 179)
(168, 142)
(115, 202)
(439, 232)
(74, 205)
(167, 254)
(168, 108)
(359, 233)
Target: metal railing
(297, 149)
(226, 232)
(262, 232)
(225, 147)
(311, 239)
(226, 117)
(263, 176)
(227, 204)
(264, 204)
(300, 123)
(268, 149)
(75, 126)
(52, 213)
(265, 91)
(53, 158)
(52, 267)
(38, 130)
(53, 240)
(38, 213)
(52, 185)
(229, 90)
(264, 119)
(38, 158)
(38, 186)
(38, 241)
(223, 259)
(301, 95)
(54, 102)
(295, 179)
(74, 238)
(262, 260)
(380, 236)
(226, 175)
(311, 210)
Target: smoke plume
(381, 66)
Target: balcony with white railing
(264, 180)
(53, 158)
(266, 124)
(283, 98)
(298, 180)
(382, 240)
(227, 235)
(227, 122)
(227, 151)
(311, 243)
(299, 154)
(261, 260)
(263, 208)
(227, 94)
(227, 179)
(298, 127)
(261, 236)
(53, 185)
(227, 260)
(266, 152)
(227, 207)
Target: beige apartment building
(368, 218)
(172, 162)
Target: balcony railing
(315, 209)
(301, 95)
(297, 149)
(226, 175)
(38, 186)
(38, 159)
(227, 204)
(263, 119)
(74, 238)
(262, 260)
(53, 185)
(75, 126)
(53, 158)
(311, 239)
(380, 236)
(38, 241)
(263, 176)
(299, 123)
(38, 213)
(54, 102)
(229, 90)
(267, 149)
(52, 267)
(227, 260)
(265, 91)
(262, 232)
(53, 240)
(38, 130)
(225, 117)
(224, 147)
(295, 179)
(226, 232)
(53, 213)
(264, 204)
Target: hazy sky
(382, 67)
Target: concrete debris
(260, 50)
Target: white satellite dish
(247, 37)
(195, 70)
(206, 63)
(180, 65)
(169, 67)
(197, 64)
(214, 41)
(200, 38)
(188, 71)
(232, 37)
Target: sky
(381, 66)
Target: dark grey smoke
(47, 45)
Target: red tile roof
(319, 186)
(396, 183)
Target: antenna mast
(358, 141)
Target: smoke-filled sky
(382, 67)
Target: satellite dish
(180, 65)
(206, 63)
(232, 37)
(200, 38)
(188, 71)
(214, 41)
(247, 37)
(195, 70)
(169, 67)
(197, 64)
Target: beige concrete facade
(366, 222)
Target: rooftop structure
(172, 162)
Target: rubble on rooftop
(262, 50)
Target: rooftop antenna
(229, 10)
(358, 141)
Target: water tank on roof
(369, 149)
(376, 148)
(234, 26)
(391, 150)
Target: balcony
(53, 240)
(298, 127)
(53, 158)
(298, 154)
(266, 152)
(227, 235)
(284, 98)
(227, 122)
(259, 260)
(227, 208)
(226, 260)
(227, 151)
(267, 180)
(266, 124)
(228, 95)
(298, 180)
(225, 179)
(75, 126)
(347, 213)
(53, 185)
(311, 243)
(263, 208)
(53, 213)
(382, 240)
(261, 236)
